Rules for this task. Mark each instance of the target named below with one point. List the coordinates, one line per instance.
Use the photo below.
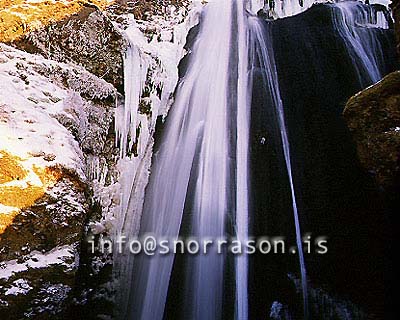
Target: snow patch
(61, 256)
(20, 286)
(7, 209)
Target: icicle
(151, 67)
(287, 8)
(135, 75)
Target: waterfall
(352, 21)
(200, 184)
(195, 155)
(193, 169)
(262, 55)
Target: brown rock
(87, 38)
(373, 117)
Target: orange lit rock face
(9, 168)
(18, 17)
(21, 184)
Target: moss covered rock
(373, 117)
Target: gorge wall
(61, 70)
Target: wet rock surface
(336, 196)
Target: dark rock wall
(396, 14)
(336, 196)
(373, 117)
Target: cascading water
(151, 76)
(352, 21)
(198, 133)
(194, 154)
(263, 56)
(242, 160)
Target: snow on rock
(20, 286)
(57, 116)
(46, 110)
(87, 38)
(44, 279)
(54, 124)
(63, 256)
(48, 300)
(32, 98)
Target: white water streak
(263, 46)
(242, 158)
(287, 8)
(352, 21)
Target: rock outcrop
(19, 17)
(87, 38)
(373, 117)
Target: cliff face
(373, 117)
(82, 32)
(19, 17)
(331, 187)
(56, 130)
(54, 121)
